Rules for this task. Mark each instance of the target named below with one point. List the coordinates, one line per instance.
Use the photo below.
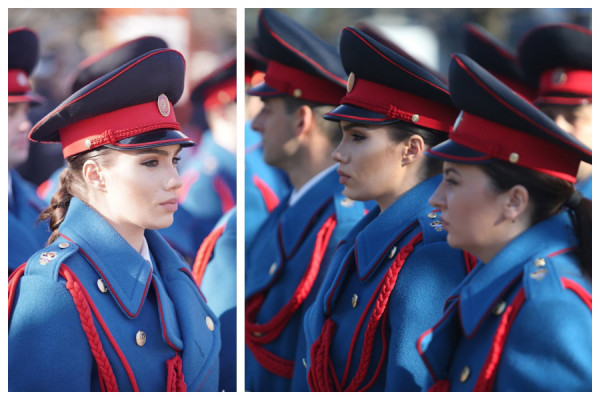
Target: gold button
(102, 286)
(392, 252)
(87, 143)
(465, 373)
(415, 118)
(539, 274)
(354, 300)
(499, 308)
(140, 338)
(304, 362)
(210, 324)
(539, 262)
(346, 202)
(63, 245)
(513, 158)
(257, 334)
(297, 93)
(432, 215)
(273, 268)
(350, 83)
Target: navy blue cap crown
(559, 58)
(100, 64)
(384, 87)
(300, 63)
(23, 54)
(134, 100)
(497, 123)
(497, 58)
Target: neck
(307, 166)
(410, 180)
(513, 229)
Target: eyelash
(154, 163)
(450, 181)
(357, 138)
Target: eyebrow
(351, 125)
(157, 151)
(450, 169)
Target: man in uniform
(25, 234)
(559, 58)
(287, 260)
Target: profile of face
(138, 187)
(370, 163)
(18, 128)
(276, 127)
(472, 210)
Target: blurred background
(429, 35)
(206, 38)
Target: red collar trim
(508, 144)
(300, 84)
(397, 104)
(114, 126)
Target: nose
(257, 123)
(338, 154)
(437, 199)
(25, 125)
(563, 124)
(174, 182)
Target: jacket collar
(296, 221)
(386, 229)
(122, 268)
(487, 283)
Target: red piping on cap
(397, 104)
(501, 142)
(313, 88)
(114, 126)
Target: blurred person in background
(25, 234)
(558, 57)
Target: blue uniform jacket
(48, 348)
(219, 287)
(209, 190)
(275, 264)
(532, 296)
(349, 295)
(585, 187)
(25, 234)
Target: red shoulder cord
(204, 253)
(259, 334)
(269, 196)
(108, 382)
(321, 375)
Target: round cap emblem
(163, 105)
(22, 79)
(559, 76)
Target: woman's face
(141, 188)
(370, 164)
(471, 210)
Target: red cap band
(566, 80)
(111, 127)
(396, 104)
(223, 94)
(302, 85)
(17, 81)
(517, 147)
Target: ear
(93, 175)
(517, 199)
(302, 120)
(415, 146)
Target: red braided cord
(442, 385)
(13, 280)
(320, 349)
(204, 253)
(175, 380)
(106, 375)
(269, 196)
(258, 334)
(486, 378)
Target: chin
(161, 223)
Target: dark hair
(548, 195)
(400, 131)
(330, 129)
(71, 184)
